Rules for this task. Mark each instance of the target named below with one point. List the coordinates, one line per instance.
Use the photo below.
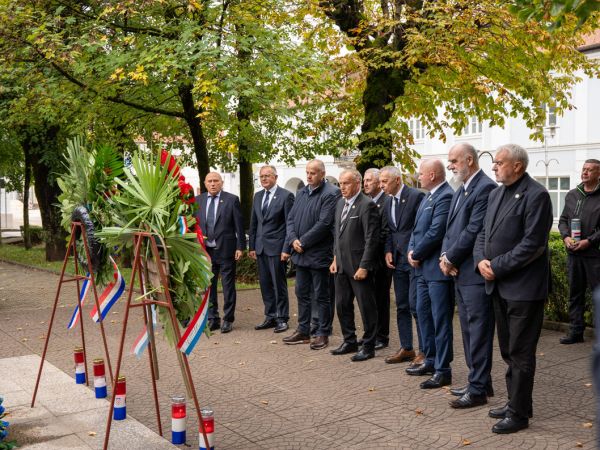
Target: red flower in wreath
(170, 161)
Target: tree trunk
(383, 86)
(195, 126)
(43, 147)
(26, 185)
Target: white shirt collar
(377, 197)
(350, 201)
(273, 189)
(432, 191)
(399, 192)
(466, 183)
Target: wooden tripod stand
(139, 239)
(72, 250)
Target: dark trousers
(406, 305)
(434, 311)
(583, 272)
(273, 287)
(226, 268)
(519, 324)
(313, 283)
(314, 323)
(347, 288)
(383, 282)
(476, 315)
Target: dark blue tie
(210, 219)
(265, 205)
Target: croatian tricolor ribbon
(194, 330)
(142, 340)
(110, 295)
(84, 290)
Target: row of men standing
(482, 244)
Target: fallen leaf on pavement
(273, 342)
(237, 342)
(588, 384)
(588, 425)
(466, 442)
(19, 329)
(579, 444)
(242, 363)
(265, 402)
(24, 340)
(371, 389)
(92, 433)
(419, 412)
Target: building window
(415, 128)
(474, 126)
(557, 188)
(550, 115)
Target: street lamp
(549, 132)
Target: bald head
(213, 183)
(431, 173)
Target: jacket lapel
(509, 206)
(220, 208)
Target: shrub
(247, 270)
(557, 307)
(35, 233)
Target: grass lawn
(36, 257)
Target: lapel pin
(466, 193)
(221, 201)
(353, 206)
(517, 195)
(403, 200)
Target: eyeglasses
(498, 163)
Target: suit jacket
(397, 237)
(267, 233)
(383, 229)
(428, 233)
(465, 221)
(515, 240)
(229, 227)
(357, 239)
(311, 221)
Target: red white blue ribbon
(142, 340)
(110, 295)
(183, 226)
(84, 290)
(196, 327)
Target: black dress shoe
(380, 345)
(227, 327)
(363, 355)
(500, 413)
(214, 324)
(421, 370)
(267, 323)
(510, 425)
(437, 381)
(459, 392)
(571, 339)
(281, 327)
(469, 401)
(345, 348)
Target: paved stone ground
(270, 396)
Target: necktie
(210, 218)
(265, 204)
(462, 193)
(395, 211)
(345, 212)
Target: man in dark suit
(310, 234)
(382, 274)
(220, 219)
(435, 305)
(465, 221)
(400, 209)
(267, 245)
(511, 253)
(355, 258)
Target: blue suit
(267, 238)
(229, 236)
(475, 308)
(434, 290)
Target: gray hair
(516, 153)
(392, 170)
(469, 150)
(354, 172)
(268, 166)
(320, 164)
(374, 171)
(592, 161)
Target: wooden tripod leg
(136, 267)
(186, 372)
(51, 323)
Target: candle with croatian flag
(208, 419)
(99, 378)
(79, 365)
(120, 411)
(178, 419)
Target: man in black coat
(310, 234)
(267, 245)
(465, 221)
(582, 203)
(382, 273)
(220, 219)
(355, 258)
(511, 253)
(400, 210)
